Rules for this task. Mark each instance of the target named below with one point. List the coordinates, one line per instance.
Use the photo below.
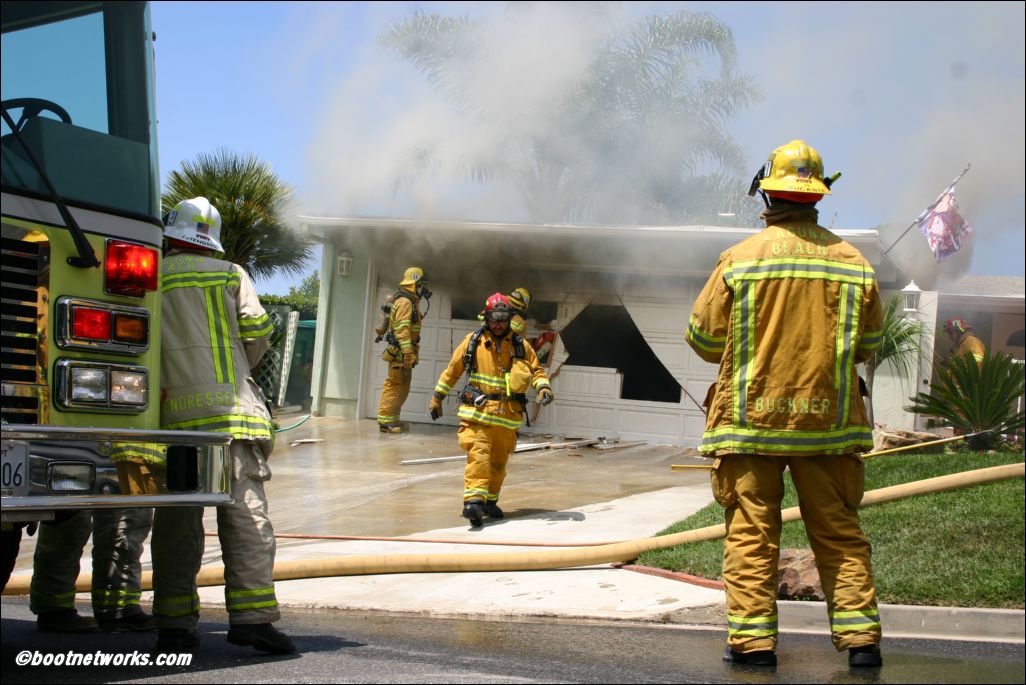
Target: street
(340, 646)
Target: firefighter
(501, 367)
(964, 341)
(519, 301)
(403, 336)
(214, 333)
(117, 536)
(787, 314)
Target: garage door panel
(587, 382)
(650, 422)
(587, 398)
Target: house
(619, 297)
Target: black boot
(262, 636)
(867, 656)
(491, 510)
(176, 640)
(136, 622)
(65, 621)
(473, 510)
(759, 657)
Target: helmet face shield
(497, 314)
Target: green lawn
(956, 548)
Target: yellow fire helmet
(520, 299)
(794, 168)
(412, 276)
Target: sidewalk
(351, 483)
(550, 497)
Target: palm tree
(252, 201)
(900, 347)
(638, 135)
(976, 397)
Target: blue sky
(897, 96)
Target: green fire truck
(81, 270)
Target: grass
(957, 548)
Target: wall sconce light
(344, 263)
(910, 298)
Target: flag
(943, 226)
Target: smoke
(899, 100)
(505, 131)
(390, 143)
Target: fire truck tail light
(130, 269)
(90, 324)
(98, 326)
(129, 328)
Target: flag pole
(920, 217)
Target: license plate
(14, 472)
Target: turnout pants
(829, 487)
(488, 449)
(118, 536)
(247, 549)
(394, 393)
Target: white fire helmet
(196, 222)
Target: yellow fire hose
(547, 559)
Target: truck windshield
(78, 84)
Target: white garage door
(588, 398)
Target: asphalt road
(364, 647)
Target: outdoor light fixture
(344, 263)
(910, 298)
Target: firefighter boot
(867, 656)
(136, 622)
(176, 640)
(759, 657)
(492, 510)
(390, 427)
(473, 511)
(262, 636)
(65, 621)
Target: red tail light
(90, 324)
(131, 269)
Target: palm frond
(901, 341)
(252, 201)
(976, 397)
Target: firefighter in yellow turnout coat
(214, 333)
(502, 366)
(964, 341)
(787, 314)
(403, 335)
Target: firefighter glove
(435, 408)
(409, 359)
(545, 396)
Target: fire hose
(547, 559)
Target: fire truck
(81, 256)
